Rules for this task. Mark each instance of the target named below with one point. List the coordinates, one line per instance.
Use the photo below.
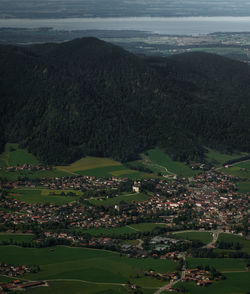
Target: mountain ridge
(89, 97)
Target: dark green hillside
(88, 97)
(220, 113)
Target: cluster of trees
(229, 245)
(209, 253)
(88, 97)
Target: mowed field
(204, 237)
(87, 265)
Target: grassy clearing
(221, 264)
(14, 156)
(237, 171)
(138, 197)
(204, 237)
(217, 158)
(235, 283)
(41, 196)
(158, 161)
(79, 263)
(223, 237)
(16, 237)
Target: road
(215, 238)
(172, 283)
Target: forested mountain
(63, 101)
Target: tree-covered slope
(90, 97)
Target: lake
(160, 25)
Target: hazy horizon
(121, 8)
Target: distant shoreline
(160, 25)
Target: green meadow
(221, 264)
(77, 287)
(16, 237)
(242, 170)
(235, 283)
(204, 237)
(244, 187)
(14, 156)
(224, 237)
(129, 229)
(98, 266)
(109, 231)
(160, 162)
(218, 158)
(137, 197)
(146, 227)
(101, 167)
(42, 196)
